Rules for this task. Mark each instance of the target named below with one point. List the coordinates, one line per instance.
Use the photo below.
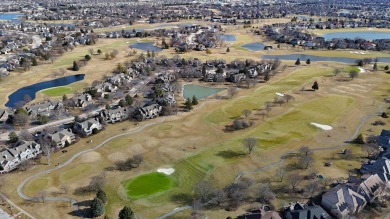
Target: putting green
(148, 184)
(57, 91)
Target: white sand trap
(362, 70)
(280, 94)
(323, 127)
(167, 171)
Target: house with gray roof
(301, 211)
(63, 137)
(5, 114)
(148, 112)
(86, 128)
(114, 115)
(82, 100)
(380, 166)
(341, 201)
(12, 157)
(369, 186)
(43, 108)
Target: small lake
(145, 47)
(304, 57)
(8, 17)
(199, 91)
(228, 37)
(30, 90)
(367, 35)
(254, 46)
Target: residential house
(114, 115)
(12, 157)
(86, 128)
(166, 97)
(301, 211)
(369, 186)
(63, 137)
(165, 78)
(82, 100)
(262, 213)
(119, 79)
(5, 114)
(380, 166)
(341, 201)
(148, 112)
(236, 78)
(43, 108)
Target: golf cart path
(282, 159)
(71, 200)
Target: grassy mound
(57, 91)
(148, 184)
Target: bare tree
(25, 135)
(312, 187)
(246, 112)
(302, 89)
(305, 150)
(42, 195)
(336, 71)
(279, 100)
(353, 74)
(305, 161)
(264, 194)
(263, 113)
(21, 119)
(250, 143)
(280, 173)
(232, 91)
(370, 149)
(91, 51)
(294, 179)
(204, 191)
(47, 151)
(288, 97)
(268, 106)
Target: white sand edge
(166, 171)
(280, 94)
(323, 127)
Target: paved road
(73, 201)
(15, 206)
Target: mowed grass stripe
(265, 93)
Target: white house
(12, 157)
(86, 127)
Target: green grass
(57, 91)
(266, 93)
(37, 185)
(352, 68)
(148, 184)
(75, 172)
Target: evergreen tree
(188, 104)
(75, 66)
(122, 103)
(358, 140)
(129, 100)
(126, 213)
(100, 194)
(87, 57)
(315, 86)
(386, 68)
(266, 77)
(34, 61)
(194, 100)
(308, 61)
(148, 54)
(97, 207)
(13, 137)
(99, 52)
(375, 67)
(64, 97)
(298, 62)
(153, 54)
(228, 49)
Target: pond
(304, 57)
(199, 91)
(228, 37)
(145, 47)
(254, 46)
(367, 35)
(30, 90)
(8, 17)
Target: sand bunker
(166, 171)
(362, 70)
(323, 127)
(280, 94)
